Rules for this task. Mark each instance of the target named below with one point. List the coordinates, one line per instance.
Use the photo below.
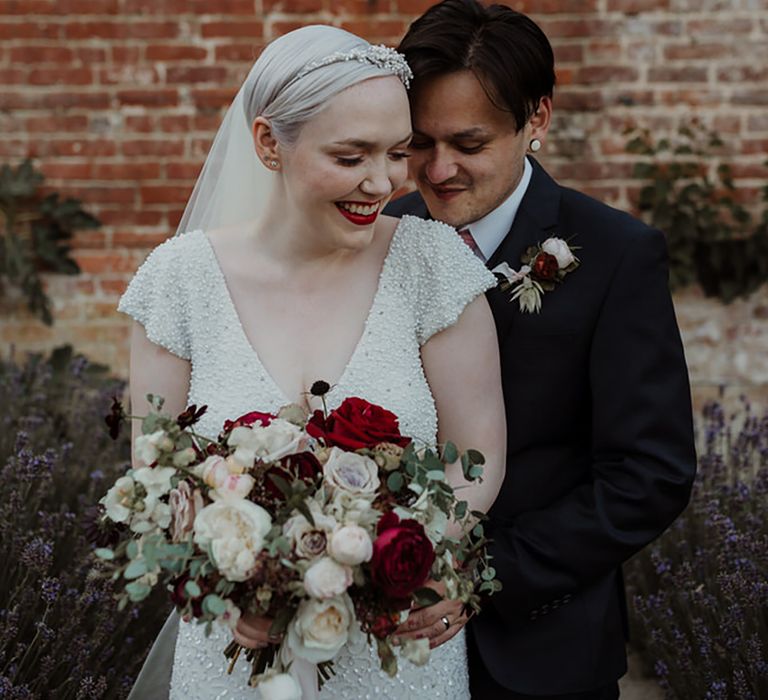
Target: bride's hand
(438, 623)
(252, 631)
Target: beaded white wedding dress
(181, 298)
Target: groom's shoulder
(602, 227)
(410, 203)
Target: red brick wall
(117, 100)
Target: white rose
(234, 486)
(235, 530)
(146, 447)
(320, 628)
(280, 686)
(267, 443)
(559, 248)
(351, 545)
(155, 514)
(327, 579)
(434, 520)
(309, 541)
(353, 510)
(157, 480)
(118, 500)
(416, 651)
(185, 457)
(352, 473)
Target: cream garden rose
(119, 498)
(351, 545)
(326, 578)
(235, 530)
(559, 248)
(147, 448)
(351, 473)
(266, 443)
(320, 628)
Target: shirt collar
(491, 230)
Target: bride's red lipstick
(359, 219)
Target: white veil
(233, 185)
(292, 80)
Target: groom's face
(466, 154)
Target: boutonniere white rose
(544, 266)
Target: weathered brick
(678, 74)
(292, 6)
(174, 52)
(631, 7)
(709, 50)
(743, 74)
(214, 29)
(148, 147)
(155, 98)
(599, 75)
(165, 194)
(126, 171)
(247, 53)
(60, 76)
(196, 74)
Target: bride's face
(348, 161)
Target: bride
(287, 272)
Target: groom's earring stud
(534, 145)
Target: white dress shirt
(490, 231)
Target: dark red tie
(466, 236)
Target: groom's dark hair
(507, 51)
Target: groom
(600, 456)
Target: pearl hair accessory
(382, 56)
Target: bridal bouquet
(330, 523)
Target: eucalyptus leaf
(137, 568)
(192, 589)
(214, 605)
(104, 553)
(395, 481)
(137, 591)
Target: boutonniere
(544, 267)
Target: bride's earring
(271, 162)
(534, 146)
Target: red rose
(303, 465)
(356, 424)
(545, 266)
(247, 420)
(402, 556)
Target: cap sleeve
(450, 276)
(156, 297)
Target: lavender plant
(699, 595)
(60, 633)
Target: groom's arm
(643, 459)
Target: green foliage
(35, 233)
(60, 635)
(713, 240)
(699, 595)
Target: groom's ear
(542, 118)
(264, 139)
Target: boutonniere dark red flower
(544, 266)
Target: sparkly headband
(381, 56)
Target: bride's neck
(292, 240)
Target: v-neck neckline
(235, 317)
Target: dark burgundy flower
(402, 556)
(191, 415)
(249, 419)
(356, 424)
(303, 466)
(545, 267)
(115, 418)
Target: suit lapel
(535, 221)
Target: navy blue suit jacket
(600, 455)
